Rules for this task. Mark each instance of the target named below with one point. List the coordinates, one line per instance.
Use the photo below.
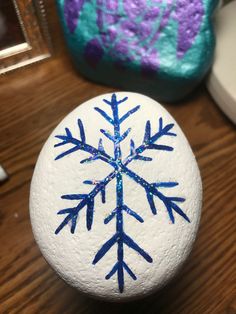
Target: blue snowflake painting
(121, 168)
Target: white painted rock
(3, 174)
(222, 80)
(116, 197)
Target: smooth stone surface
(160, 47)
(222, 80)
(116, 197)
(3, 174)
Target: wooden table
(33, 100)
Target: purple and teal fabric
(162, 47)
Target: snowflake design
(120, 168)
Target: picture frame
(25, 37)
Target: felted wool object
(161, 47)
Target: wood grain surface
(32, 102)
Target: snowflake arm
(149, 142)
(120, 238)
(105, 115)
(127, 210)
(86, 201)
(127, 114)
(97, 153)
(152, 190)
(115, 101)
(126, 240)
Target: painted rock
(222, 79)
(161, 47)
(116, 197)
(3, 174)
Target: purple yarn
(112, 4)
(93, 52)
(134, 8)
(72, 10)
(189, 15)
(150, 63)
